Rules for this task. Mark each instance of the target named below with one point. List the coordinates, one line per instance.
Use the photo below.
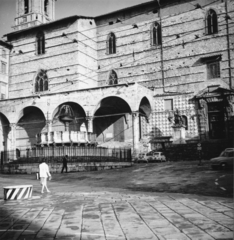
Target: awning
(207, 59)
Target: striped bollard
(18, 192)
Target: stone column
(90, 124)
(13, 141)
(203, 119)
(49, 131)
(135, 131)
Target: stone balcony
(65, 137)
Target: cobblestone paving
(116, 216)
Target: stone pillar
(203, 119)
(135, 131)
(90, 124)
(13, 141)
(49, 131)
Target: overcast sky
(65, 8)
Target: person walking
(64, 163)
(44, 174)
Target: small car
(224, 161)
(159, 156)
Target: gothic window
(41, 82)
(213, 70)
(40, 43)
(26, 6)
(211, 22)
(113, 79)
(46, 3)
(111, 44)
(156, 34)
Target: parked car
(151, 157)
(225, 160)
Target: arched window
(111, 44)
(26, 6)
(41, 82)
(113, 78)
(46, 3)
(40, 43)
(211, 22)
(156, 34)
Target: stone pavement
(109, 215)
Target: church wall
(137, 61)
(60, 60)
(87, 53)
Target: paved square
(107, 215)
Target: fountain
(66, 116)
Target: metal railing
(74, 153)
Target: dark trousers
(64, 167)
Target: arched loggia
(144, 113)
(111, 121)
(4, 132)
(31, 122)
(78, 117)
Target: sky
(65, 8)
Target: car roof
(229, 149)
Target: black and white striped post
(18, 192)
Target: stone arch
(111, 119)
(145, 107)
(79, 123)
(144, 113)
(4, 132)
(31, 121)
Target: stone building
(118, 78)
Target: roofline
(74, 17)
(5, 44)
(128, 8)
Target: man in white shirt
(44, 174)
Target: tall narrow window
(111, 44)
(113, 79)
(40, 43)
(211, 22)
(26, 6)
(41, 82)
(3, 53)
(213, 70)
(3, 67)
(156, 34)
(46, 3)
(168, 104)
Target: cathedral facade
(117, 79)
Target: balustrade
(65, 137)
